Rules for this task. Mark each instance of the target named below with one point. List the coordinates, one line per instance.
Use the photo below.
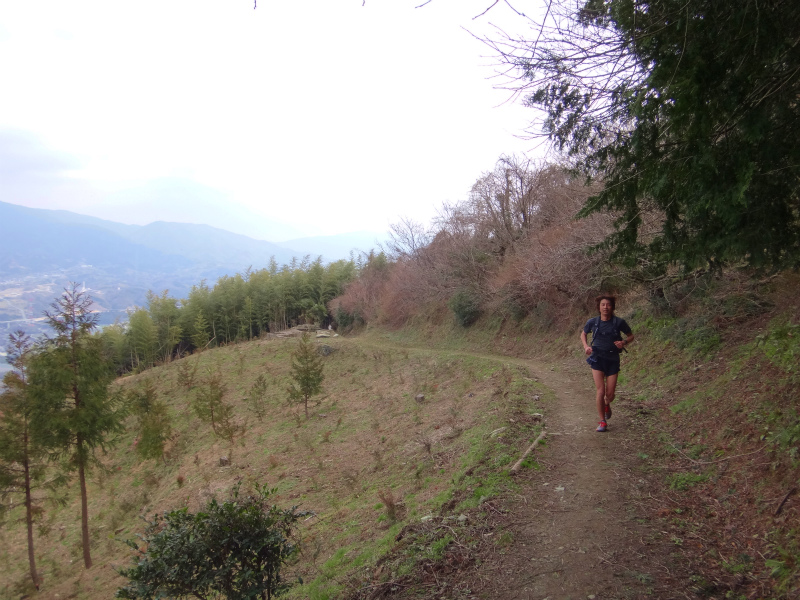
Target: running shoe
(608, 412)
(601, 427)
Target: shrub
(466, 307)
(235, 549)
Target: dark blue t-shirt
(604, 342)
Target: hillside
(42, 251)
(688, 495)
(370, 458)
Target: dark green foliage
(466, 307)
(306, 372)
(210, 407)
(687, 110)
(345, 319)
(73, 414)
(153, 421)
(68, 380)
(231, 550)
(22, 457)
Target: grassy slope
(370, 459)
(713, 377)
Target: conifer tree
(154, 428)
(688, 112)
(22, 459)
(68, 382)
(306, 371)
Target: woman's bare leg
(611, 388)
(600, 386)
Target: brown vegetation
(514, 246)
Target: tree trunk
(87, 556)
(29, 517)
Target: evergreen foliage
(153, 421)
(256, 397)
(210, 407)
(22, 458)
(306, 372)
(73, 414)
(465, 306)
(687, 111)
(231, 550)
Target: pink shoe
(608, 411)
(602, 427)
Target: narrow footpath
(582, 526)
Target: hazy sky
(294, 119)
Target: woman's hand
(623, 343)
(587, 350)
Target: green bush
(466, 307)
(235, 549)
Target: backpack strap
(595, 328)
(616, 323)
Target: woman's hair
(612, 299)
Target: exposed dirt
(580, 527)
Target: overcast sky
(294, 119)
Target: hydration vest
(615, 324)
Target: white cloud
(325, 116)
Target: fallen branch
(518, 464)
(785, 498)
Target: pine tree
(154, 428)
(68, 383)
(22, 459)
(306, 371)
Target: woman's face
(605, 308)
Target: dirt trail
(580, 527)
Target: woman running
(607, 343)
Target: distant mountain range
(42, 250)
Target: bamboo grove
(237, 308)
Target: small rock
(462, 518)
(482, 499)
(224, 461)
(419, 397)
(560, 488)
(497, 432)
(426, 518)
(536, 398)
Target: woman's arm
(586, 347)
(628, 340)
